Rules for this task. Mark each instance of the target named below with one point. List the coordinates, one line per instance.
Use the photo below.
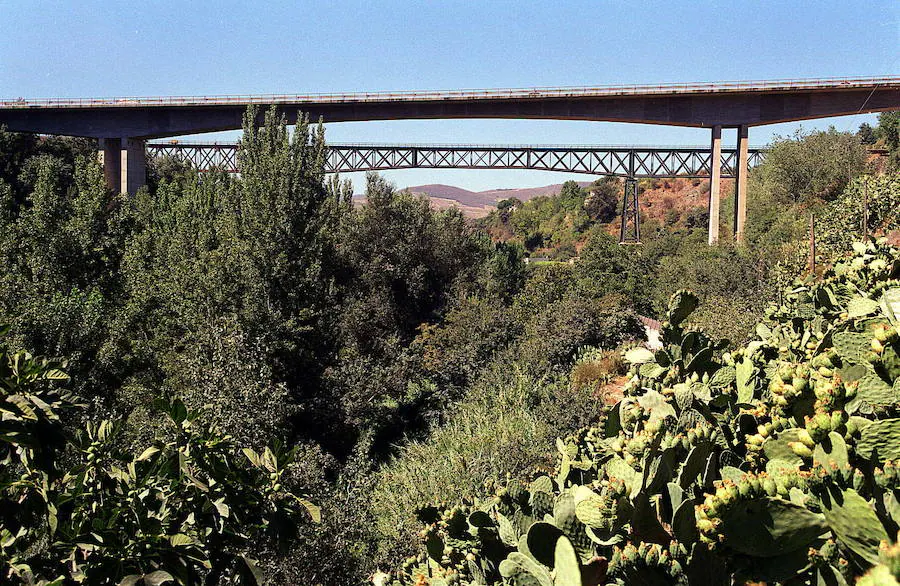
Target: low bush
(596, 369)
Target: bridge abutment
(715, 177)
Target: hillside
(558, 225)
(477, 204)
(668, 201)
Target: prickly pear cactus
(887, 572)
(775, 462)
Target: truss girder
(617, 161)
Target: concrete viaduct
(124, 124)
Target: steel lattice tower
(630, 232)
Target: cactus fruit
(647, 564)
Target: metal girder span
(634, 162)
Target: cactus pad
(832, 451)
(681, 305)
(520, 570)
(851, 346)
(875, 391)
(770, 527)
(853, 522)
(567, 570)
(861, 307)
(881, 439)
(684, 523)
(693, 465)
(507, 531)
(541, 541)
(543, 483)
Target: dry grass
(602, 372)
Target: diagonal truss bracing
(637, 162)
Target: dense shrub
(842, 221)
(501, 427)
(454, 351)
(774, 463)
(554, 335)
(729, 279)
(189, 508)
(813, 165)
(598, 369)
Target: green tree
(607, 268)
(399, 265)
(889, 129)
(225, 288)
(813, 166)
(866, 134)
(61, 248)
(571, 196)
(602, 201)
(505, 271)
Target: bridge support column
(740, 184)
(715, 176)
(630, 232)
(109, 155)
(124, 163)
(133, 165)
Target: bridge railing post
(715, 176)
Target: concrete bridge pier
(124, 163)
(715, 176)
(109, 155)
(740, 184)
(741, 168)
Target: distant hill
(477, 204)
(657, 197)
(441, 191)
(526, 193)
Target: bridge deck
(766, 86)
(726, 104)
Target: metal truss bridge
(619, 161)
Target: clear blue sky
(102, 48)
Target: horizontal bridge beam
(638, 162)
(726, 104)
